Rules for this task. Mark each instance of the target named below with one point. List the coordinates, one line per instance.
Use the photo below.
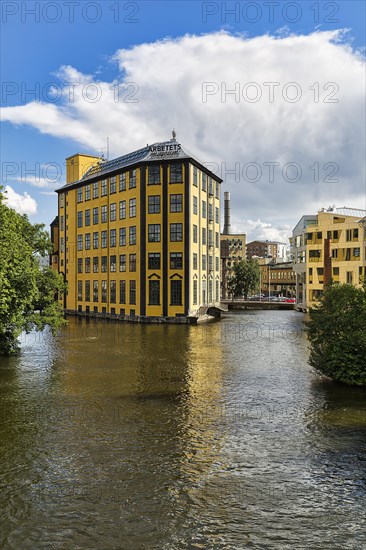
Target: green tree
(337, 334)
(27, 292)
(245, 278)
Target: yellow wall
(332, 222)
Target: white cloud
(37, 181)
(161, 86)
(23, 204)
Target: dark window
(176, 260)
(132, 179)
(122, 236)
(104, 264)
(95, 239)
(112, 292)
(104, 291)
(132, 208)
(122, 262)
(95, 215)
(217, 194)
(104, 239)
(122, 182)
(132, 262)
(87, 265)
(87, 192)
(154, 293)
(80, 219)
(210, 187)
(87, 241)
(195, 293)
(195, 205)
(95, 189)
(204, 263)
(122, 292)
(87, 217)
(113, 185)
(195, 261)
(113, 212)
(80, 265)
(154, 204)
(80, 242)
(217, 215)
(104, 188)
(95, 291)
(195, 234)
(104, 214)
(113, 263)
(113, 238)
(132, 234)
(87, 291)
(176, 232)
(204, 240)
(95, 264)
(176, 203)
(154, 260)
(176, 292)
(154, 233)
(80, 291)
(195, 176)
(122, 210)
(204, 182)
(204, 209)
(176, 173)
(154, 175)
(132, 292)
(80, 194)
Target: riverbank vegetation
(337, 334)
(27, 291)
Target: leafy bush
(27, 292)
(337, 334)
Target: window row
(154, 207)
(207, 291)
(125, 180)
(84, 241)
(88, 264)
(98, 290)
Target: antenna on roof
(174, 134)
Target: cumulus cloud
(280, 118)
(23, 204)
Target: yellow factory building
(138, 237)
(329, 246)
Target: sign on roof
(165, 149)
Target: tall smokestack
(227, 226)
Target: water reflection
(220, 436)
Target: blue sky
(34, 50)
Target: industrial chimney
(227, 226)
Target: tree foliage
(245, 278)
(337, 334)
(27, 292)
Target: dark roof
(168, 150)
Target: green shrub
(337, 334)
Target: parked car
(290, 300)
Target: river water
(124, 436)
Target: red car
(290, 300)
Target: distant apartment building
(232, 246)
(328, 246)
(139, 236)
(267, 249)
